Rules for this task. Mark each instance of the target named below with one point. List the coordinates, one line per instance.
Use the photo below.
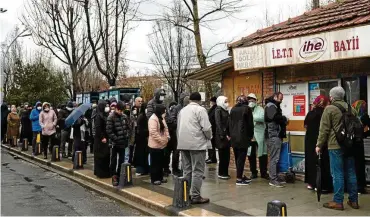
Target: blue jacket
(34, 116)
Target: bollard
(125, 178)
(25, 145)
(77, 163)
(181, 193)
(38, 144)
(55, 154)
(276, 208)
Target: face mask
(161, 98)
(146, 111)
(46, 109)
(227, 105)
(58, 110)
(39, 108)
(8, 109)
(69, 109)
(106, 109)
(94, 105)
(252, 104)
(134, 112)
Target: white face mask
(227, 105)
(252, 104)
(146, 111)
(9, 109)
(69, 109)
(94, 105)
(106, 109)
(134, 112)
(58, 110)
(46, 109)
(161, 98)
(39, 108)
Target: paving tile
(255, 212)
(197, 212)
(149, 196)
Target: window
(321, 88)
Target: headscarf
(321, 101)
(221, 102)
(360, 107)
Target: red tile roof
(330, 17)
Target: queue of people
(149, 134)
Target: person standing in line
(26, 129)
(276, 130)
(129, 152)
(312, 125)
(48, 122)
(241, 129)
(66, 132)
(158, 139)
(342, 164)
(4, 120)
(36, 128)
(118, 130)
(212, 159)
(172, 144)
(159, 95)
(101, 150)
(13, 121)
(141, 139)
(194, 134)
(222, 136)
(258, 144)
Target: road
(30, 190)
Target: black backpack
(350, 131)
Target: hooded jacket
(63, 114)
(173, 113)
(156, 100)
(275, 121)
(48, 121)
(34, 116)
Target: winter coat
(151, 104)
(48, 122)
(241, 126)
(4, 119)
(26, 130)
(13, 125)
(212, 120)
(100, 119)
(222, 128)
(194, 131)
(118, 130)
(62, 116)
(259, 130)
(34, 116)
(172, 115)
(275, 121)
(157, 139)
(331, 123)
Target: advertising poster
(299, 105)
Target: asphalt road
(30, 190)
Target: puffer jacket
(222, 128)
(118, 130)
(275, 121)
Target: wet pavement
(30, 190)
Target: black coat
(312, 124)
(100, 149)
(212, 120)
(118, 129)
(222, 128)
(142, 149)
(241, 126)
(26, 130)
(62, 116)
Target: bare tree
(112, 22)
(172, 51)
(211, 11)
(58, 26)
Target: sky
(138, 52)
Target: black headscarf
(100, 109)
(160, 109)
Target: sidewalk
(227, 199)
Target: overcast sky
(227, 30)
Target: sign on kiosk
(335, 45)
(294, 105)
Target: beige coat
(13, 125)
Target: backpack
(350, 131)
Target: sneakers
(224, 177)
(276, 184)
(115, 180)
(209, 161)
(244, 181)
(157, 183)
(309, 187)
(199, 200)
(281, 180)
(354, 205)
(334, 205)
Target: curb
(123, 196)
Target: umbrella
(318, 178)
(76, 114)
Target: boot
(334, 205)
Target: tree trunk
(112, 82)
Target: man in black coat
(211, 114)
(118, 131)
(158, 98)
(241, 128)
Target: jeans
(223, 165)
(193, 164)
(240, 157)
(343, 168)
(117, 157)
(274, 147)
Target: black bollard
(55, 154)
(181, 193)
(276, 208)
(25, 145)
(77, 164)
(125, 178)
